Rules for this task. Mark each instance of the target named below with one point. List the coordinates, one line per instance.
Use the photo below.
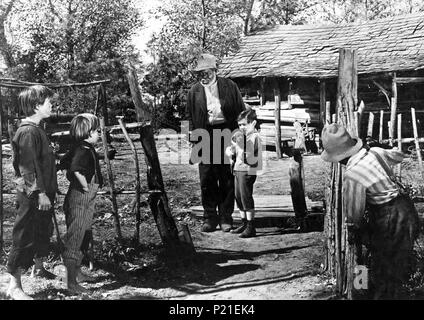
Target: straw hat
(338, 144)
(205, 61)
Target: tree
(275, 12)
(191, 27)
(76, 41)
(5, 47)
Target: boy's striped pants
(79, 210)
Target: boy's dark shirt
(84, 159)
(34, 160)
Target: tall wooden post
(101, 103)
(296, 174)
(343, 252)
(11, 108)
(1, 172)
(262, 91)
(417, 143)
(111, 181)
(370, 125)
(158, 199)
(328, 112)
(277, 114)
(137, 180)
(380, 134)
(322, 104)
(393, 106)
(399, 142)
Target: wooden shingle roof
(390, 44)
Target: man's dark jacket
(231, 104)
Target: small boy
(34, 164)
(248, 161)
(85, 178)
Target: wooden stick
(1, 174)
(137, 180)
(328, 112)
(337, 225)
(111, 181)
(24, 84)
(277, 113)
(297, 187)
(356, 129)
(417, 144)
(380, 136)
(399, 142)
(370, 125)
(389, 126)
(393, 105)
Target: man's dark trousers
(217, 190)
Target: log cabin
(299, 64)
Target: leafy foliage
(76, 41)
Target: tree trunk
(5, 48)
(158, 199)
(203, 24)
(248, 16)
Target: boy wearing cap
(213, 104)
(393, 220)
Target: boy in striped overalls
(85, 178)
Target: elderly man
(393, 220)
(213, 105)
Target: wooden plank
(322, 103)
(410, 79)
(1, 174)
(328, 112)
(277, 122)
(380, 134)
(393, 106)
(370, 124)
(417, 144)
(399, 142)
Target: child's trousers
(243, 190)
(79, 209)
(31, 232)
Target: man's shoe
(42, 273)
(209, 225)
(225, 226)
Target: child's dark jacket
(82, 158)
(34, 160)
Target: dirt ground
(274, 265)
